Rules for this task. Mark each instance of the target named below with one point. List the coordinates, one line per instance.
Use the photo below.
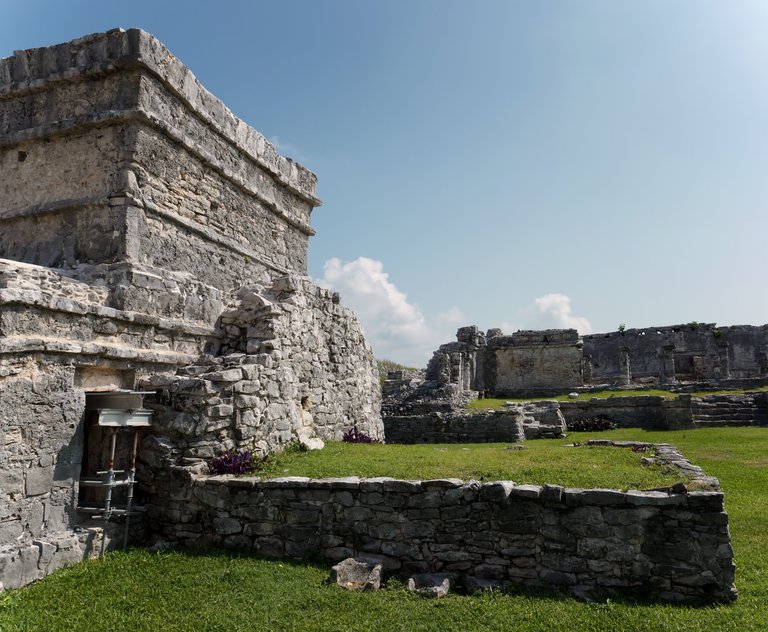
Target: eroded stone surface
(354, 574)
(431, 585)
(149, 237)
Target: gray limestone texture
(145, 232)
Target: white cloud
(397, 329)
(553, 311)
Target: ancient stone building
(555, 360)
(693, 352)
(150, 239)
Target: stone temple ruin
(155, 312)
(149, 239)
(429, 406)
(530, 362)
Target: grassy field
(173, 591)
(542, 461)
(492, 403)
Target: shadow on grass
(396, 581)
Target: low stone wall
(668, 546)
(490, 427)
(22, 564)
(517, 422)
(644, 411)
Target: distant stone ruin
(430, 406)
(558, 360)
(149, 240)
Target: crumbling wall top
(100, 53)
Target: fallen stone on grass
(354, 574)
(433, 585)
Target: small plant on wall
(353, 435)
(233, 462)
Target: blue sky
(506, 164)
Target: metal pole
(110, 483)
(131, 483)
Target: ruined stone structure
(695, 352)
(151, 240)
(672, 546)
(146, 233)
(558, 360)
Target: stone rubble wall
(701, 351)
(487, 427)
(292, 364)
(116, 164)
(644, 411)
(41, 445)
(517, 422)
(134, 206)
(22, 564)
(674, 547)
(57, 341)
(42, 310)
(547, 362)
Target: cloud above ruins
(396, 328)
(554, 311)
(551, 311)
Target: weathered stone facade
(292, 364)
(673, 546)
(134, 206)
(517, 422)
(696, 352)
(559, 360)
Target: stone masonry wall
(658, 544)
(692, 352)
(516, 422)
(292, 364)
(113, 156)
(647, 411)
(58, 340)
(134, 206)
(502, 365)
(492, 427)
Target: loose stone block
(354, 574)
(432, 585)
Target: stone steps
(727, 410)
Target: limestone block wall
(292, 364)
(534, 360)
(133, 207)
(700, 351)
(671, 546)
(516, 422)
(491, 427)
(113, 156)
(58, 340)
(526, 361)
(646, 411)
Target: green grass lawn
(492, 403)
(543, 461)
(174, 591)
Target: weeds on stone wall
(597, 423)
(233, 462)
(353, 435)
